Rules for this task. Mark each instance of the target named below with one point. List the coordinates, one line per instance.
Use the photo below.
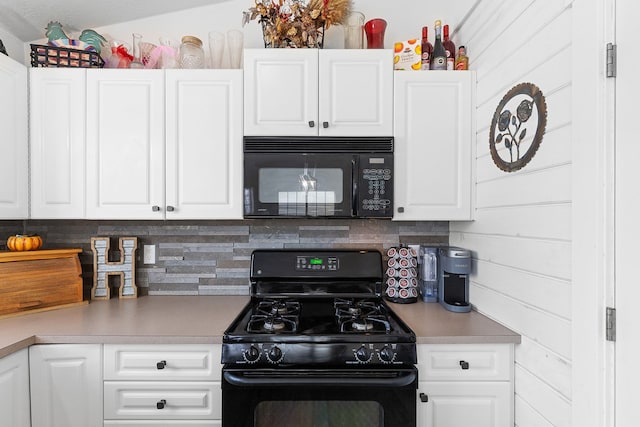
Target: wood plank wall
(521, 238)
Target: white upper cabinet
(310, 92)
(204, 144)
(125, 144)
(14, 190)
(57, 123)
(158, 144)
(434, 145)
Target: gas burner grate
(374, 323)
(348, 308)
(282, 307)
(272, 323)
(361, 315)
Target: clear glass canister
(191, 53)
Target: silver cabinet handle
(325, 124)
(155, 208)
(312, 123)
(170, 209)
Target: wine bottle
(439, 56)
(462, 60)
(427, 49)
(449, 47)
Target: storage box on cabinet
(465, 384)
(157, 385)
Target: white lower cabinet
(66, 385)
(465, 385)
(158, 385)
(14, 390)
(161, 423)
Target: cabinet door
(14, 203)
(125, 144)
(433, 145)
(464, 404)
(204, 144)
(57, 122)
(281, 92)
(14, 390)
(163, 423)
(356, 92)
(66, 385)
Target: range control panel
(279, 353)
(304, 263)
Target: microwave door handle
(354, 183)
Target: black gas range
(318, 332)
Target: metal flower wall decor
(517, 127)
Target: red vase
(375, 33)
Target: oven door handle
(401, 380)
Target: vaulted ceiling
(27, 19)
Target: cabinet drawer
(473, 403)
(162, 423)
(162, 362)
(461, 362)
(162, 400)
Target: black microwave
(334, 177)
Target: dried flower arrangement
(297, 23)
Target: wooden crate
(39, 280)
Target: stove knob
(252, 355)
(362, 354)
(386, 355)
(275, 354)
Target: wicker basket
(52, 56)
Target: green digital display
(315, 261)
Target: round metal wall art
(517, 127)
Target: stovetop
(317, 308)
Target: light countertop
(203, 319)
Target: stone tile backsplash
(212, 257)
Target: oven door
(286, 397)
(298, 185)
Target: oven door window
(298, 185)
(319, 414)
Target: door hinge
(611, 324)
(612, 59)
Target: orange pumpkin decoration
(24, 242)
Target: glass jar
(191, 53)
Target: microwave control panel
(375, 185)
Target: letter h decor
(103, 268)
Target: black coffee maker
(453, 278)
